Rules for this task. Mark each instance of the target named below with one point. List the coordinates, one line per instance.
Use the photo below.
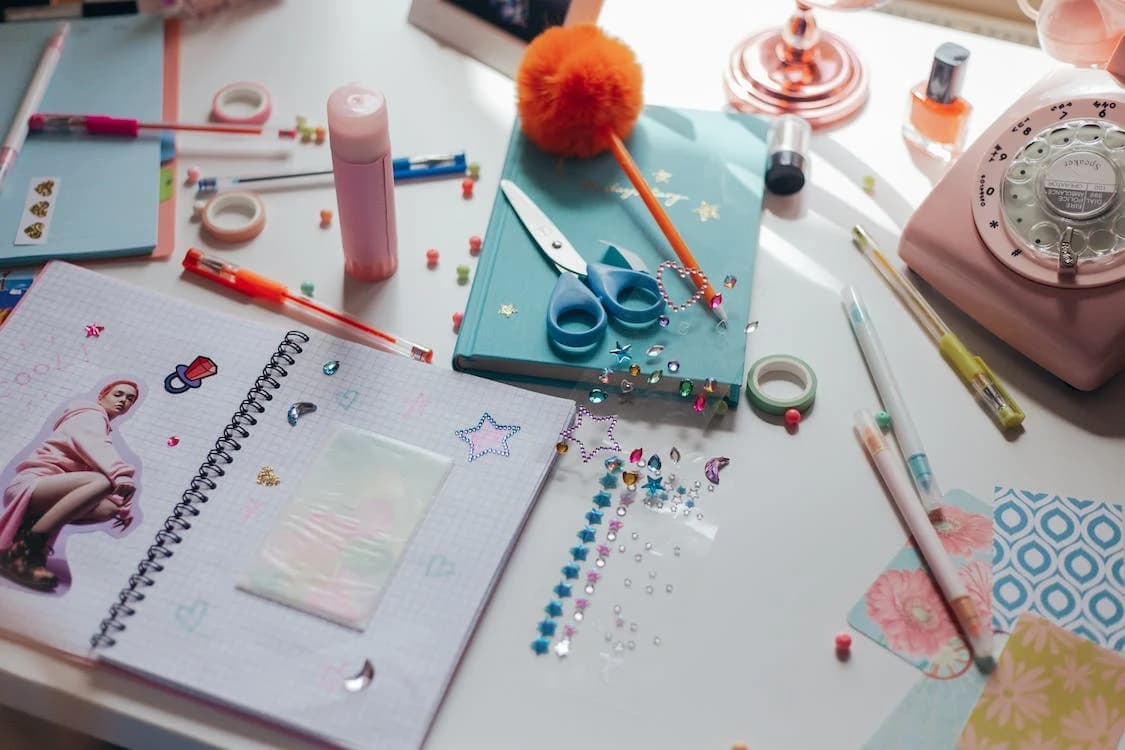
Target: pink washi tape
(231, 102)
(241, 203)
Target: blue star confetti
(654, 485)
(608, 481)
(594, 518)
(587, 534)
(622, 353)
(603, 499)
(554, 609)
(487, 437)
(547, 627)
(540, 645)
(562, 591)
(570, 572)
(578, 552)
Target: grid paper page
(47, 362)
(196, 629)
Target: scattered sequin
(562, 591)
(619, 622)
(621, 511)
(611, 536)
(508, 310)
(626, 386)
(581, 603)
(93, 330)
(589, 586)
(655, 377)
(609, 442)
(656, 640)
(331, 368)
(652, 574)
(674, 454)
(267, 477)
(628, 583)
(648, 589)
(632, 627)
(621, 548)
(676, 551)
(654, 464)
(638, 557)
(562, 648)
(698, 516)
(634, 369)
(608, 637)
(631, 645)
(553, 609)
(635, 457)
(540, 645)
(604, 377)
(729, 281)
(600, 562)
(547, 627)
(673, 366)
(663, 321)
(709, 385)
(700, 403)
(648, 545)
(586, 534)
(686, 387)
(597, 396)
(172, 441)
(655, 350)
(613, 463)
(668, 588)
(716, 301)
(562, 447)
(751, 326)
(712, 468)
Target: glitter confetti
(540, 646)
(636, 455)
(597, 396)
(608, 443)
(554, 609)
(751, 326)
(508, 310)
(93, 330)
(622, 352)
(331, 368)
(700, 403)
(634, 370)
(663, 320)
(673, 366)
(713, 466)
(605, 376)
(267, 477)
(716, 301)
(298, 410)
(655, 377)
(654, 350)
(173, 441)
(868, 184)
(709, 385)
(674, 454)
(686, 387)
(730, 281)
(613, 463)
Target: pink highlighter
(359, 136)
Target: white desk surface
(802, 523)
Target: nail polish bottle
(360, 141)
(937, 116)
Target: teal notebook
(706, 168)
(107, 188)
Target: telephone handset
(1026, 232)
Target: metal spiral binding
(172, 530)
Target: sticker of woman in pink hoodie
(74, 476)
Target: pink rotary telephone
(1026, 232)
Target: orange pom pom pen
(579, 94)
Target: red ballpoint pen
(255, 285)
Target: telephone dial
(1026, 232)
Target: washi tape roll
(238, 202)
(230, 102)
(796, 369)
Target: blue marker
(405, 168)
(917, 462)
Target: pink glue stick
(359, 136)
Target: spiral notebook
(294, 526)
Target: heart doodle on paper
(439, 567)
(346, 398)
(695, 273)
(190, 617)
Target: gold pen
(971, 369)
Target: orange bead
(325, 217)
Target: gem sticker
(608, 443)
(487, 437)
(267, 477)
(186, 377)
(38, 210)
(297, 410)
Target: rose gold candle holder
(799, 69)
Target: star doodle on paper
(661, 175)
(487, 437)
(994, 223)
(706, 211)
(608, 443)
(508, 310)
(93, 330)
(622, 353)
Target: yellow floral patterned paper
(1052, 690)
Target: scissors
(608, 285)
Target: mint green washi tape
(785, 364)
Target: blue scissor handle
(571, 295)
(609, 283)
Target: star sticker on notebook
(622, 353)
(661, 175)
(706, 211)
(487, 437)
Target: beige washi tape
(247, 204)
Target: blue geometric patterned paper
(1062, 558)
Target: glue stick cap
(358, 128)
(788, 154)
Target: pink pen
(31, 99)
(359, 136)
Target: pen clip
(1016, 417)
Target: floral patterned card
(905, 612)
(1051, 689)
(931, 715)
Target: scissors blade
(550, 238)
